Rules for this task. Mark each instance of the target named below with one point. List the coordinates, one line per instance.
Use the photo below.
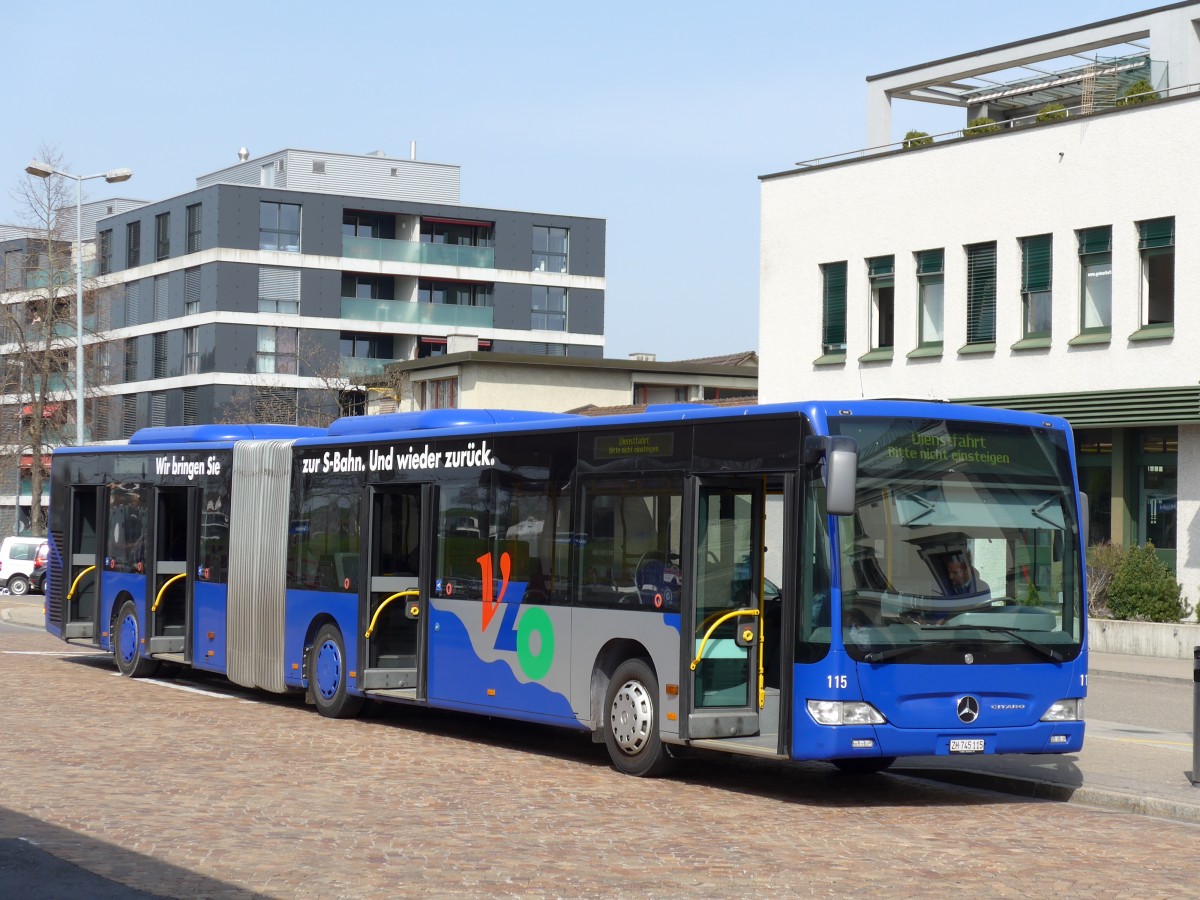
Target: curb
(1044, 790)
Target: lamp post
(43, 170)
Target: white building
(1036, 266)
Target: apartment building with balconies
(298, 274)
(1039, 257)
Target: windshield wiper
(1046, 651)
(893, 652)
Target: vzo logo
(532, 638)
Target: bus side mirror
(841, 470)
(1084, 518)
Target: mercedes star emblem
(968, 709)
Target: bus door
(725, 622)
(176, 512)
(393, 594)
(80, 582)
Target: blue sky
(658, 118)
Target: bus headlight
(1068, 710)
(844, 712)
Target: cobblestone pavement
(178, 792)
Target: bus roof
(477, 421)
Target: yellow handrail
(162, 590)
(75, 583)
(733, 613)
(374, 618)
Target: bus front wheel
(127, 644)
(327, 676)
(631, 730)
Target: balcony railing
(406, 312)
(1075, 112)
(416, 252)
(360, 367)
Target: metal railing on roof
(1014, 123)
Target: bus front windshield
(963, 544)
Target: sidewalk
(1121, 767)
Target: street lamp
(43, 170)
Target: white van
(17, 558)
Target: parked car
(37, 580)
(18, 556)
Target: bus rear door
(79, 585)
(393, 596)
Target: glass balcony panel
(360, 367)
(405, 312)
(416, 252)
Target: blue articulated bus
(851, 582)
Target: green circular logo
(535, 621)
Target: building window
(455, 293)
(549, 309)
(981, 293)
(158, 409)
(353, 403)
(1095, 277)
(191, 351)
(278, 290)
(439, 394)
(190, 416)
(131, 359)
(833, 308)
(104, 251)
(279, 226)
(1156, 242)
(191, 292)
(458, 233)
(277, 348)
(368, 225)
(881, 270)
(162, 236)
(160, 298)
(1036, 277)
(133, 295)
(549, 249)
(644, 394)
(160, 355)
(128, 415)
(368, 287)
(366, 346)
(195, 221)
(133, 245)
(930, 298)
(275, 404)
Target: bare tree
(272, 401)
(37, 326)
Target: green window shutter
(1156, 233)
(1095, 240)
(929, 262)
(881, 266)
(981, 293)
(834, 303)
(1035, 263)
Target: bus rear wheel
(631, 730)
(327, 676)
(127, 644)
